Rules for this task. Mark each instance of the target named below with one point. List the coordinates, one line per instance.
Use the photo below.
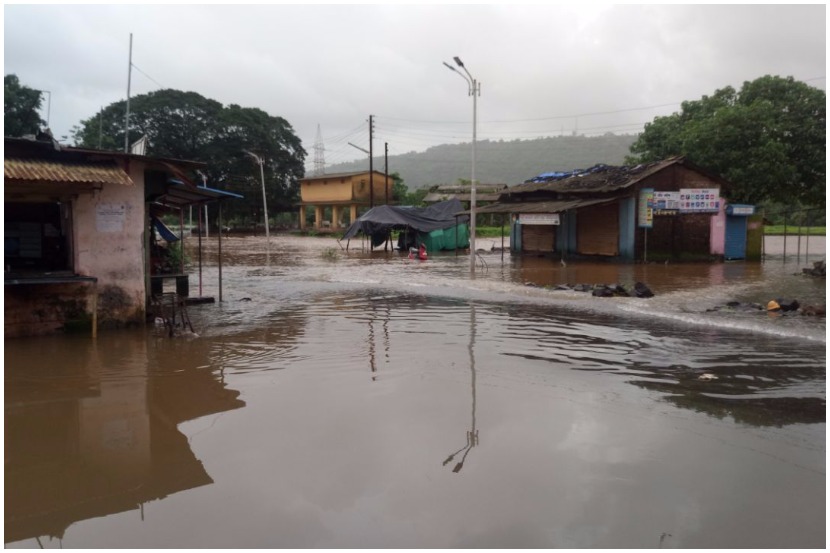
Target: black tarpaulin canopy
(383, 218)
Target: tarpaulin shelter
(438, 226)
(164, 231)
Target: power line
(148, 76)
(552, 117)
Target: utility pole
(386, 170)
(474, 90)
(127, 118)
(371, 166)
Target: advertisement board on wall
(645, 208)
(699, 200)
(666, 201)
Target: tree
(21, 105)
(399, 188)
(401, 194)
(186, 125)
(768, 140)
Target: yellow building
(340, 191)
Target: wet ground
(357, 399)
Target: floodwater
(352, 399)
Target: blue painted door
(735, 246)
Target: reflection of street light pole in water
(472, 434)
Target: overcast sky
(544, 70)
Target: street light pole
(474, 89)
(264, 200)
(48, 106)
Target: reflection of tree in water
(105, 437)
(757, 400)
(755, 386)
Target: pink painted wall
(108, 230)
(717, 234)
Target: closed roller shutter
(598, 230)
(538, 238)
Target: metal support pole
(473, 185)
(502, 236)
(371, 166)
(800, 221)
(200, 252)
(220, 251)
(474, 90)
(181, 241)
(264, 201)
(386, 171)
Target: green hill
(500, 162)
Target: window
(36, 237)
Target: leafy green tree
(186, 125)
(21, 105)
(768, 140)
(399, 189)
(416, 197)
(401, 194)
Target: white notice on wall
(109, 218)
(539, 218)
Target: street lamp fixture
(264, 200)
(474, 90)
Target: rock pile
(777, 306)
(818, 269)
(609, 290)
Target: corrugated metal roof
(64, 172)
(340, 175)
(539, 207)
(598, 179)
(440, 197)
(465, 188)
(181, 195)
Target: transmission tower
(319, 154)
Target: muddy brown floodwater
(359, 399)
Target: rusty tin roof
(64, 172)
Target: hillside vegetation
(500, 162)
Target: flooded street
(361, 399)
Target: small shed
(77, 233)
(649, 211)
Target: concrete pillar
(353, 213)
(335, 216)
(302, 217)
(318, 217)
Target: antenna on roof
(127, 118)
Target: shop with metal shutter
(598, 230)
(538, 238)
